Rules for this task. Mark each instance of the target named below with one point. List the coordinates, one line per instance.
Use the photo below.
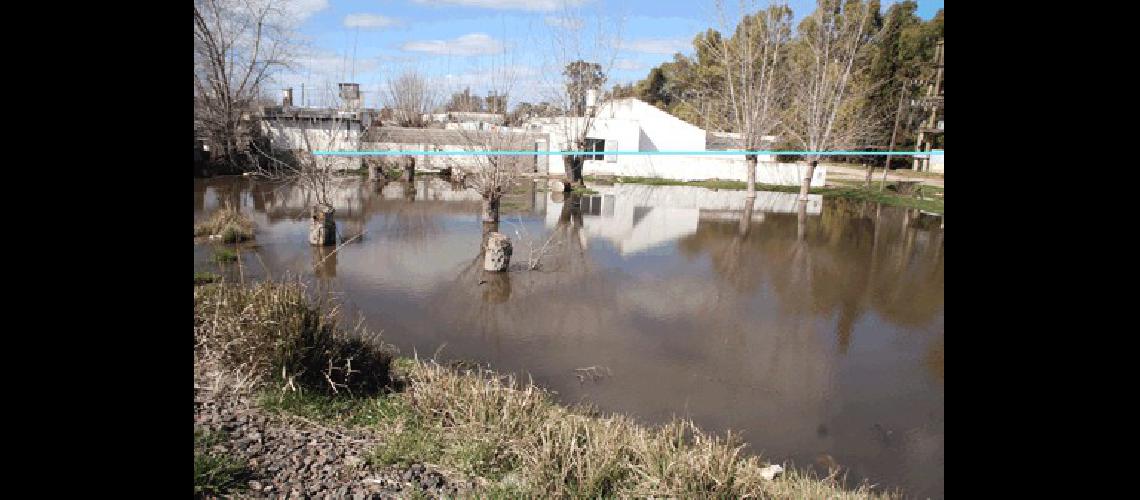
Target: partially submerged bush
(230, 224)
(225, 255)
(270, 335)
(205, 277)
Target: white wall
(340, 135)
(937, 163)
(659, 130)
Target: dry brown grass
(537, 447)
(271, 335)
(229, 223)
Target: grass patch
(468, 420)
(408, 443)
(216, 473)
(229, 224)
(334, 409)
(582, 190)
(224, 255)
(205, 277)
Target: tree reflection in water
(837, 265)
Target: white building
(634, 125)
(316, 129)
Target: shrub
(232, 225)
(270, 334)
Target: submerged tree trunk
(801, 222)
(746, 218)
(322, 228)
(490, 212)
(409, 169)
(498, 253)
(750, 163)
(807, 180)
(573, 166)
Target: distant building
(433, 139)
(634, 125)
(289, 128)
(466, 117)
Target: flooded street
(818, 334)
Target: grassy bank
(512, 438)
(930, 201)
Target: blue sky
(459, 43)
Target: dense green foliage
(899, 57)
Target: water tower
(350, 95)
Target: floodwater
(819, 334)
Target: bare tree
(493, 174)
(238, 44)
(827, 108)
(410, 96)
(294, 136)
(576, 77)
(754, 74)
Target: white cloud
(369, 21)
(656, 45)
(471, 44)
(628, 64)
(300, 10)
(532, 5)
(564, 22)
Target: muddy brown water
(818, 335)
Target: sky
(472, 43)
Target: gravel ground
(293, 458)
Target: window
(595, 145)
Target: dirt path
(843, 173)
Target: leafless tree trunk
(579, 71)
(238, 44)
(894, 134)
(829, 63)
(492, 175)
(294, 136)
(754, 77)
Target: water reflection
(773, 317)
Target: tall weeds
(228, 223)
(270, 335)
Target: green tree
(581, 77)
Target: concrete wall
(316, 135)
(464, 162)
(937, 163)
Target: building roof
(280, 112)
